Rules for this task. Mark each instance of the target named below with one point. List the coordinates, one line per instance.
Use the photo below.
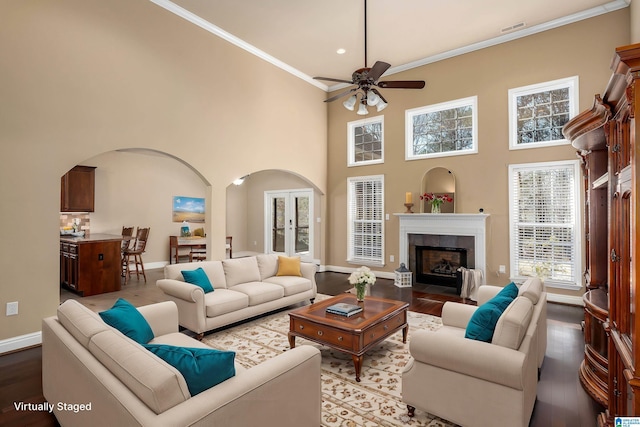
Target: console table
(176, 243)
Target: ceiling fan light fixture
(350, 103)
(365, 82)
(362, 109)
(372, 98)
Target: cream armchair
(476, 383)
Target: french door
(288, 223)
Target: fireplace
(467, 231)
(436, 265)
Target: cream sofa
(120, 383)
(475, 383)
(243, 288)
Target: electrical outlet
(502, 269)
(12, 308)
(392, 258)
(386, 217)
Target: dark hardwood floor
(561, 401)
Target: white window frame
(576, 283)
(471, 101)
(571, 83)
(352, 256)
(351, 143)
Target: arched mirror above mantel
(439, 182)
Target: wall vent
(513, 27)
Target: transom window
(445, 129)
(365, 227)
(366, 141)
(544, 217)
(538, 112)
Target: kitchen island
(91, 265)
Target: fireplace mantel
(450, 224)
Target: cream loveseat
(475, 383)
(243, 288)
(120, 383)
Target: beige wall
(79, 78)
(634, 9)
(481, 179)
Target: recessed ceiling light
(340, 51)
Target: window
(544, 218)
(366, 141)
(538, 112)
(445, 129)
(365, 228)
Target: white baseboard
(20, 342)
(349, 270)
(565, 299)
(152, 265)
(551, 297)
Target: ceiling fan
(366, 80)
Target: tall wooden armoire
(607, 137)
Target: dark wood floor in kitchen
(561, 401)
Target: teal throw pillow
(510, 290)
(198, 277)
(483, 321)
(202, 368)
(127, 319)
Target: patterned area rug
(375, 401)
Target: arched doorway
(250, 214)
(136, 187)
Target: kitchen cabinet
(77, 190)
(91, 265)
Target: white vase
(435, 208)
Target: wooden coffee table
(353, 335)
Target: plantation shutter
(365, 220)
(544, 222)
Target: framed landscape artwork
(190, 209)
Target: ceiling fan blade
(333, 80)
(402, 84)
(340, 95)
(374, 90)
(377, 70)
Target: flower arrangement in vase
(360, 278)
(435, 200)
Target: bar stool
(136, 251)
(127, 236)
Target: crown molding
(215, 30)
(527, 31)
